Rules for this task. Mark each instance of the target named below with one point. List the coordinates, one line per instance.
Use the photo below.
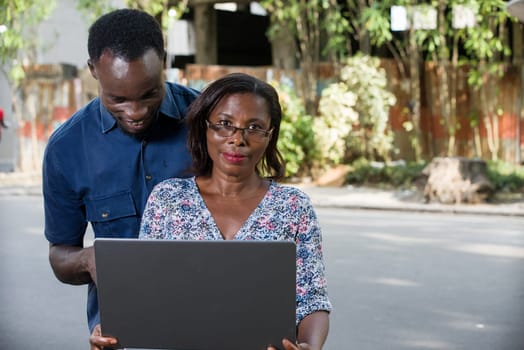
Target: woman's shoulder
(289, 192)
(175, 184)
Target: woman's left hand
(289, 345)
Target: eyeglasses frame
(245, 131)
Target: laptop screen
(169, 294)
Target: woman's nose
(238, 138)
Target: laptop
(196, 295)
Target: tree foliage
(92, 9)
(306, 22)
(481, 47)
(19, 20)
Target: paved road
(398, 281)
(402, 281)
(36, 311)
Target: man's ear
(92, 69)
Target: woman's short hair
(272, 163)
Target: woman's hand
(97, 341)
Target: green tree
(306, 22)
(92, 9)
(486, 45)
(375, 21)
(163, 10)
(19, 20)
(367, 22)
(485, 48)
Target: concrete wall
(63, 36)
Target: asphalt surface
(398, 281)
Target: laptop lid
(172, 294)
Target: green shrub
(506, 177)
(386, 175)
(296, 141)
(354, 113)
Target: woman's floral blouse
(176, 210)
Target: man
(101, 164)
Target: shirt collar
(106, 119)
(168, 107)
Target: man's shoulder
(74, 127)
(177, 99)
(181, 90)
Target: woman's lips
(234, 157)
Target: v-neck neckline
(241, 231)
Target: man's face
(131, 91)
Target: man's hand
(97, 341)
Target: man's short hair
(127, 33)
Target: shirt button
(105, 215)
(149, 177)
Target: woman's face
(238, 154)
(131, 91)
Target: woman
(234, 126)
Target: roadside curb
(425, 209)
(20, 191)
(348, 197)
(376, 199)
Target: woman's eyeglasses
(256, 135)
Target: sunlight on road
(405, 240)
(498, 250)
(428, 344)
(394, 282)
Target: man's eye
(152, 94)
(117, 99)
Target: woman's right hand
(97, 341)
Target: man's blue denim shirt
(93, 172)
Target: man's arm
(73, 265)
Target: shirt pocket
(113, 215)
